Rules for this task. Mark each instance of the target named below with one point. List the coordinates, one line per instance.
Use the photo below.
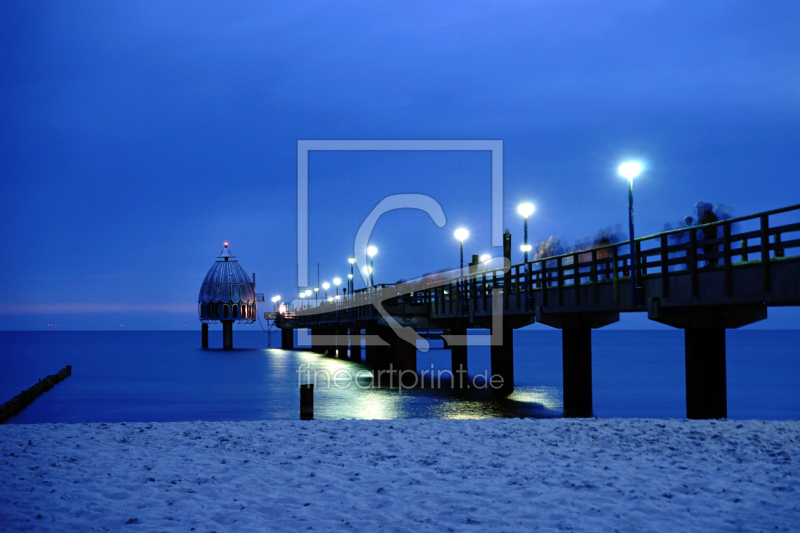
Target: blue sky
(136, 137)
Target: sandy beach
(402, 475)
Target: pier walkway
(701, 285)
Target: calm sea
(166, 376)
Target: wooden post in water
(307, 402)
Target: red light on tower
(226, 245)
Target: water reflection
(345, 390)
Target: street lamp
(630, 170)
(350, 286)
(371, 252)
(275, 302)
(337, 281)
(485, 258)
(325, 286)
(525, 210)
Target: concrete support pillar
(407, 362)
(503, 361)
(330, 343)
(204, 328)
(458, 360)
(341, 343)
(576, 345)
(706, 388)
(704, 345)
(355, 344)
(227, 334)
(316, 340)
(287, 339)
(370, 350)
(384, 359)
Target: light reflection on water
(166, 376)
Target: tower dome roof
(227, 292)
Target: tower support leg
(576, 346)
(502, 378)
(706, 385)
(204, 328)
(227, 335)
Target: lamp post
(350, 287)
(461, 234)
(630, 170)
(368, 272)
(525, 210)
(325, 286)
(337, 281)
(316, 293)
(371, 252)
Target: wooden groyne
(24, 398)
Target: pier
(703, 286)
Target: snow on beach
(401, 475)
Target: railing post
(528, 284)
(595, 286)
(517, 292)
(576, 280)
(778, 248)
(692, 261)
(615, 273)
(765, 267)
(664, 266)
(560, 267)
(744, 250)
(641, 263)
(726, 247)
(485, 292)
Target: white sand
(402, 475)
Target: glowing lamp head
(326, 285)
(461, 234)
(372, 251)
(336, 281)
(485, 258)
(525, 209)
(367, 270)
(630, 169)
(349, 276)
(351, 260)
(316, 289)
(226, 244)
(526, 247)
